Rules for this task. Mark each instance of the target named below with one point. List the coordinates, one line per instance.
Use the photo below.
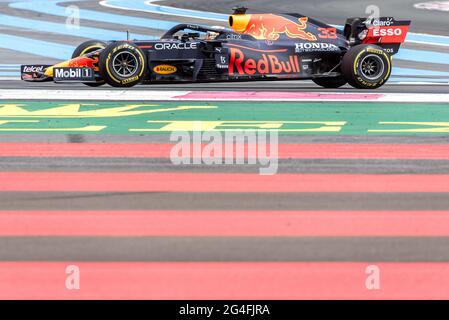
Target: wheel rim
(372, 67)
(125, 64)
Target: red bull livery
(258, 46)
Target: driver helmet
(211, 35)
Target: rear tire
(122, 64)
(88, 47)
(366, 66)
(330, 83)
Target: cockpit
(192, 32)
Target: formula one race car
(259, 46)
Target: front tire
(88, 47)
(122, 64)
(330, 83)
(366, 67)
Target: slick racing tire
(366, 67)
(122, 64)
(330, 83)
(88, 47)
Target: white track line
(119, 95)
(433, 5)
(41, 94)
(428, 43)
(419, 83)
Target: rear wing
(385, 32)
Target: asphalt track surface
(402, 236)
